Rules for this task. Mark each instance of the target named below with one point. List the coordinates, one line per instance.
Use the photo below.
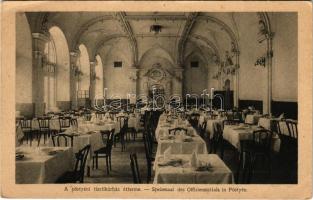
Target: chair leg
(44, 137)
(96, 161)
(31, 139)
(149, 173)
(222, 149)
(39, 138)
(240, 163)
(110, 162)
(93, 162)
(251, 168)
(107, 163)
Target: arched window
(56, 71)
(49, 68)
(84, 77)
(99, 78)
(62, 71)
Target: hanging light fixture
(156, 28)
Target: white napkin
(281, 116)
(167, 153)
(194, 160)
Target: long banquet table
(42, 164)
(180, 144)
(184, 173)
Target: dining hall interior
(156, 97)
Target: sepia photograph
(157, 98)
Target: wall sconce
(133, 77)
(260, 62)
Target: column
(93, 81)
(178, 82)
(236, 81)
(267, 105)
(74, 55)
(39, 43)
(134, 74)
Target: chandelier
(156, 28)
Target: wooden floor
(283, 172)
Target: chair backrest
(203, 128)
(292, 128)
(44, 123)
(108, 138)
(174, 130)
(276, 127)
(100, 114)
(65, 137)
(26, 124)
(112, 115)
(65, 122)
(194, 118)
(213, 116)
(218, 132)
(74, 122)
(237, 115)
(148, 151)
(263, 138)
(135, 168)
(123, 120)
(81, 158)
(87, 116)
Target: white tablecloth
(233, 134)
(185, 174)
(252, 119)
(97, 126)
(177, 144)
(38, 167)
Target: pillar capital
(39, 41)
(93, 64)
(74, 55)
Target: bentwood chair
(149, 155)
(194, 119)
(216, 141)
(135, 168)
(106, 151)
(65, 123)
(68, 139)
(44, 128)
(292, 141)
(123, 122)
(79, 171)
(26, 125)
(251, 150)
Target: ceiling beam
(85, 27)
(209, 43)
(155, 17)
(120, 17)
(184, 36)
(159, 35)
